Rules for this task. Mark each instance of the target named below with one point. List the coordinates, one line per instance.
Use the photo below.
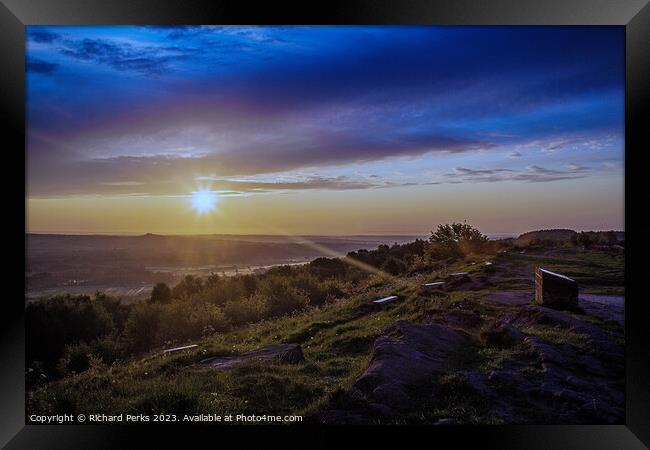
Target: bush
(161, 293)
(189, 286)
(223, 290)
(108, 348)
(247, 310)
(454, 241)
(142, 327)
(327, 267)
(51, 325)
(77, 358)
(182, 321)
(281, 297)
(318, 291)
(394, 266)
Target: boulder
(502, 335)
(404, 356)
(463, 318)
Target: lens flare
(203, 201)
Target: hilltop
(568, 237)
(489, 355)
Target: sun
(203, 201)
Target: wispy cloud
(124, 56)
(532, 174)
(39, 66)
(221, 185)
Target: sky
(323, 129)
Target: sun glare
(203, 201)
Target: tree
(188, 286)
(394, 266)
(161, 293)
(583, 239)
(455, 240)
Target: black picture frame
(634, 15)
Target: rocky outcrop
(553, 368)
(579, 384)
(502, 335)
(284, 353)
(406, 355)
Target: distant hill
(564, 236)
(556, 235)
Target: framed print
(392, 221)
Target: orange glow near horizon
(411, 210)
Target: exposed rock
(533, 315)
(545, 352)
(474, 381)
(463, 318)
(502, 335)
(510, 297)
(577, 382)
(605, 307)
(406, 355)
(285, 353)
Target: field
(129, 266)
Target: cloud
(41, 35)
(555, 145)
(516, 154)
(532, 174)
(42, 67)
(124, 56)
(221, 185)
(480, 172)
(338, 183)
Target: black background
(634, 14)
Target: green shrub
(281, 297)
(189, 286)
(142, 327)
(161, 293)
(318, 291)
(247, 310)
(182, 321)
(76, 359)
(52, 324)
(109, 348)
(394, 266)
(454, 241)
(223, 290)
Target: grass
(336, 340)
(560, 336)
(597, 272)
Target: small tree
(141, 327)
(189, 286)
(583, 239)
(394, 266)
(454, 241)
(161, 293)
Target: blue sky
(246, 111)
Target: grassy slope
(337, 343)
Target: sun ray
(203, 201)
